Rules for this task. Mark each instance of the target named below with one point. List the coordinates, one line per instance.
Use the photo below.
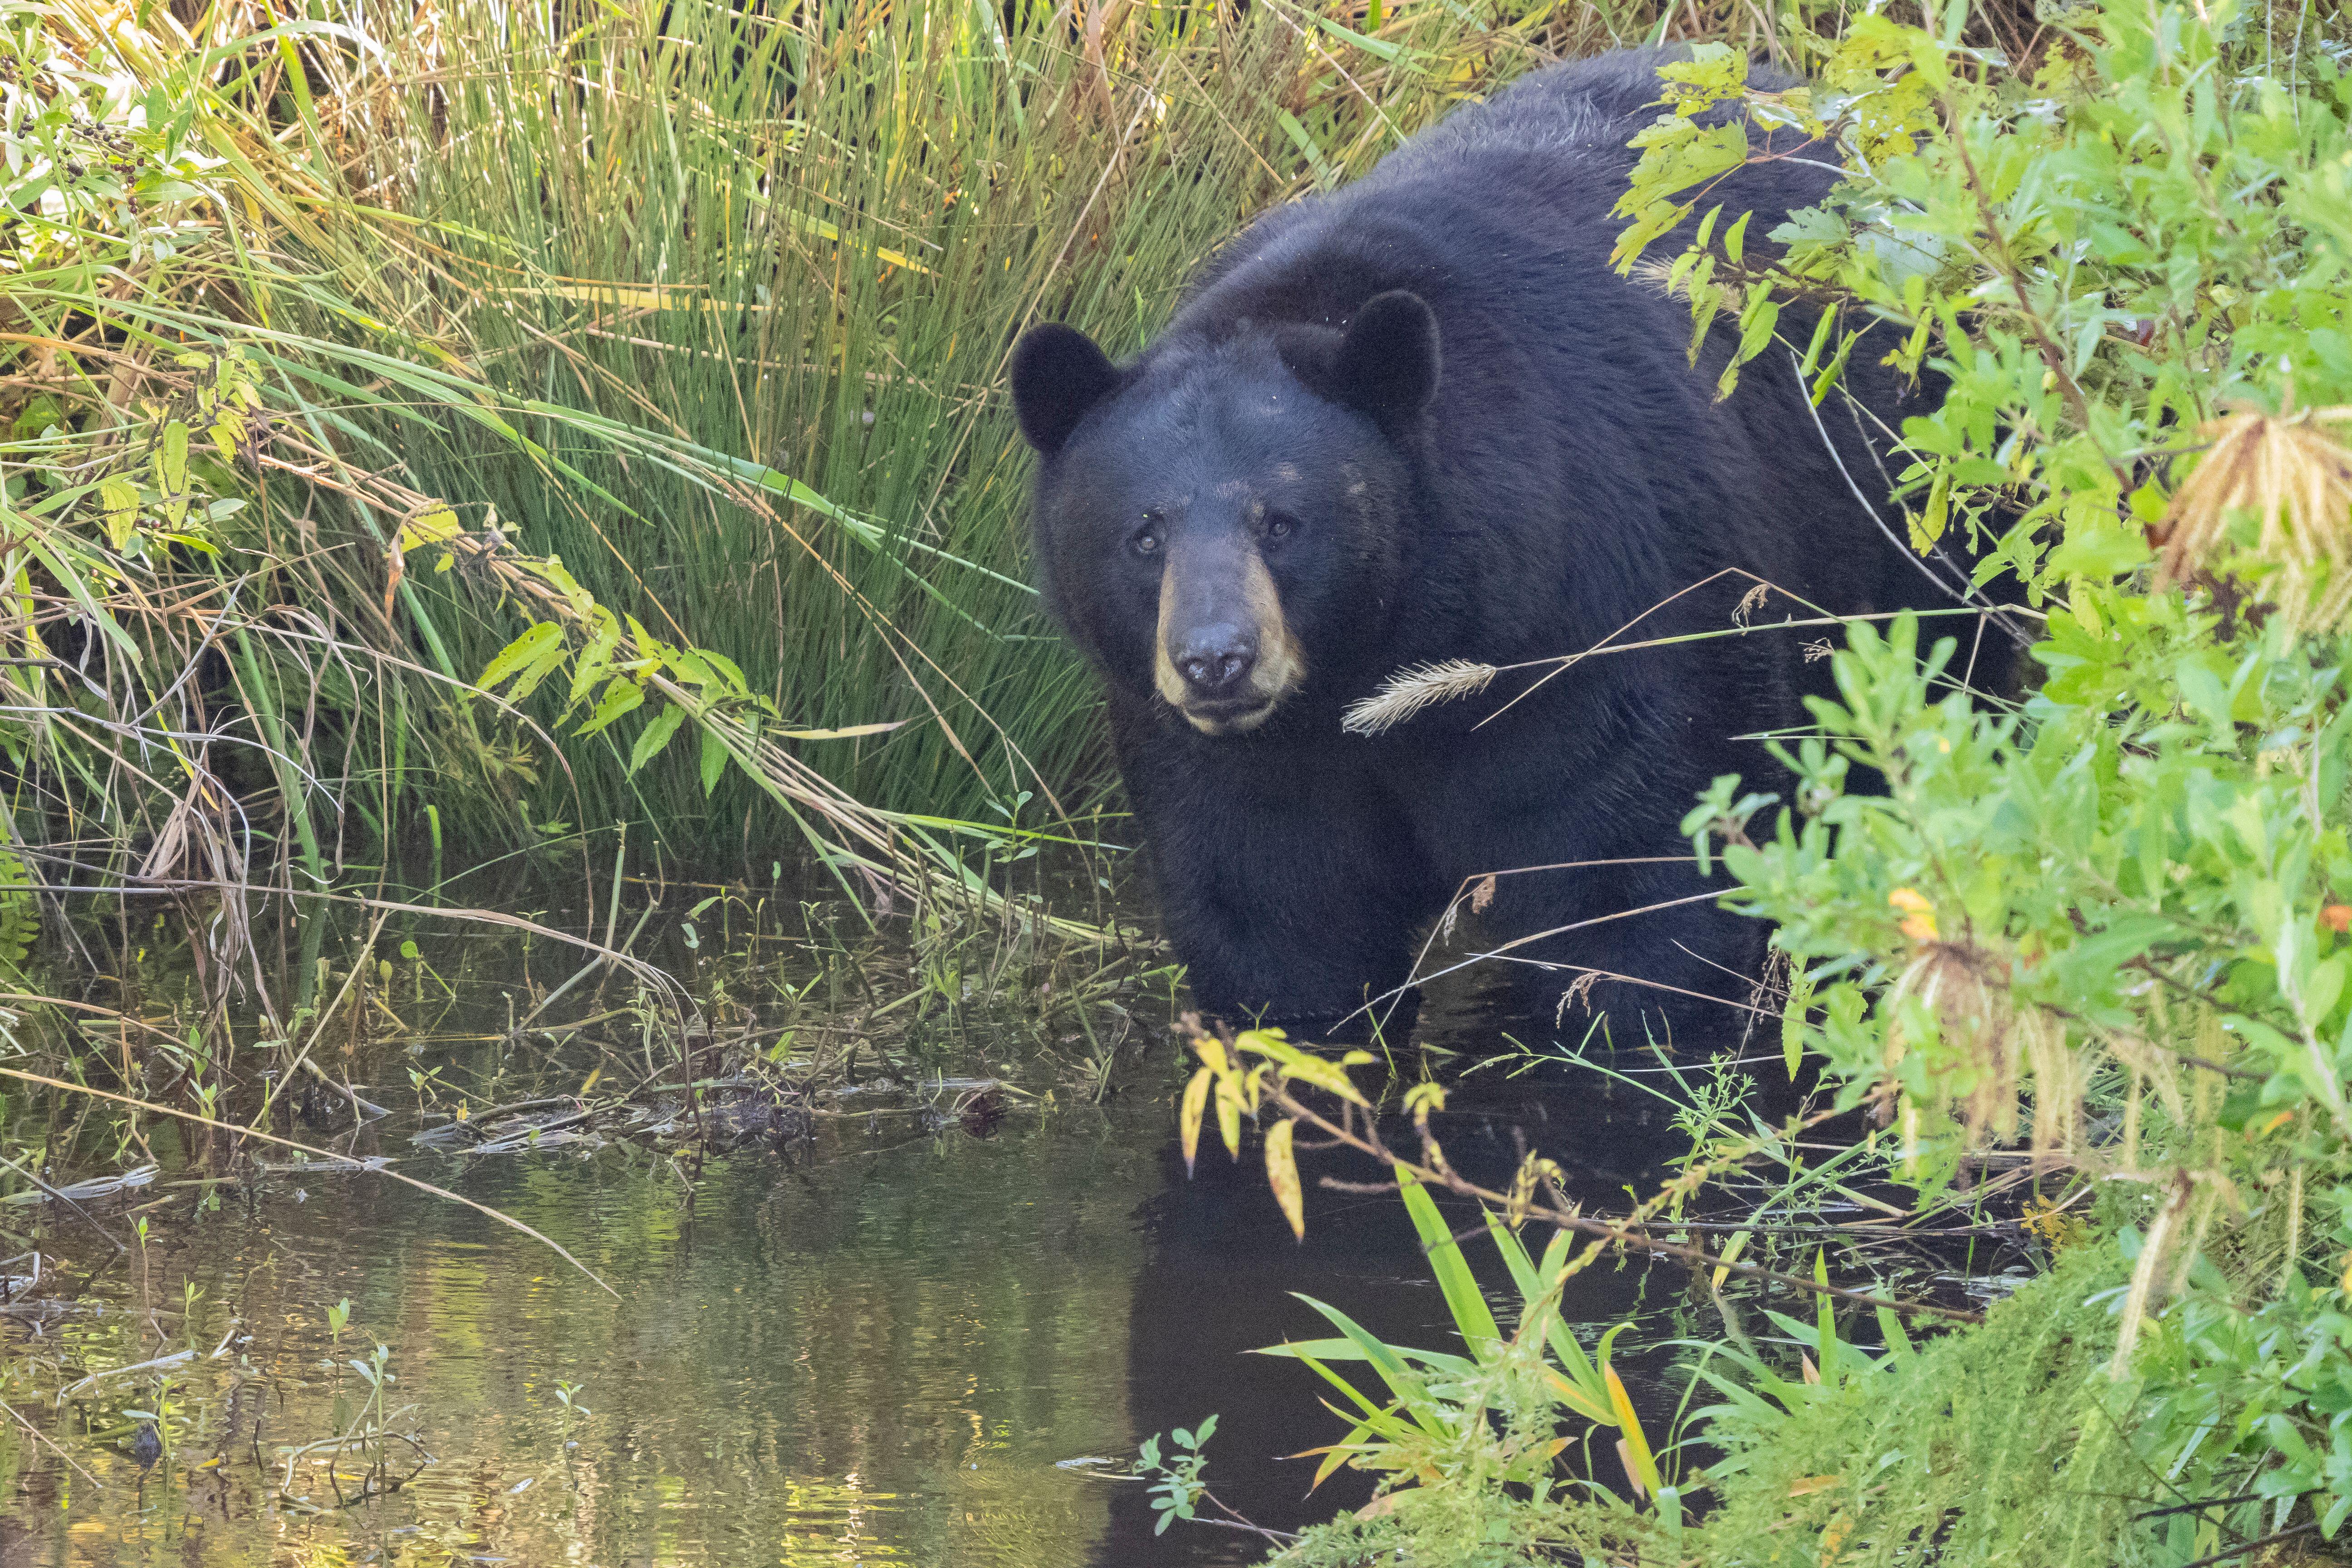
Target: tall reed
(339, 355)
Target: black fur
(1490, 448)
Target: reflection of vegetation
(863, 1360)
(899, 1325)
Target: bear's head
(1222, 522)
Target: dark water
(878, 1347)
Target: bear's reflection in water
(1221, 1263)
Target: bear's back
(1575, 469)
(1492, 208)
(1581, 111)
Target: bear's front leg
(1292, 890)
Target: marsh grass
(349, 365)
(345, 365)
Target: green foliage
(1481, 1423)
(1177, 1491)
(1486, 1419)
(1996, 1444)
(2109, 921)
(20, 914)
(2103, 254)
(801, 254)
(683, 388)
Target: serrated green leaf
(521, 653)
(550, 660)
(595, 659)
(172, 458)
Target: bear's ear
(1385, 363)
(1058, 375)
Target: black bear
(1420, 419)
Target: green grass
(810, 246)
(709, 303)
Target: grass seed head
(2293, 475)
(1410, 690)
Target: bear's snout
(1225, 656)
(1214, 659)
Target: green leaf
(1462, 1297)
(622, 696)
(521, 653)
(596, 658)
(119, 498)
(657, 735)
(715, 756)
(172, 458)
(1792, 1016)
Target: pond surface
(875, 1345)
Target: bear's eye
(1145, 541)
(1280, 525)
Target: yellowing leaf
(1920, 915)
(119, 498)
(1305, 1065)
(1633, 1469)
(228, 433)
(1188, 1115)
(850, 732)
(1833, 1538)
(1576, 1399)
(1282, 1175)
(1229, 1116)
(1804, 1486)
(437, 527)
(1635, 1448)
(1738, 1245)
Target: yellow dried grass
(2292, 474)
(1965, 989)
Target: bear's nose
(1215, 660)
